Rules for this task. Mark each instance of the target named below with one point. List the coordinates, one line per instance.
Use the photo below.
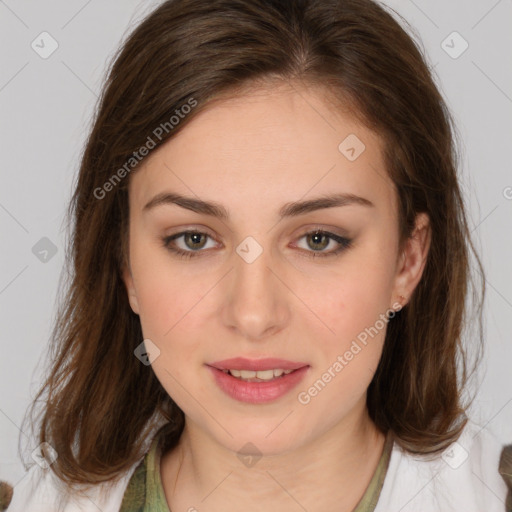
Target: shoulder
(467, 476)
(41, 491)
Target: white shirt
(464, 478)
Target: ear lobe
(413, 258)
(130, 288)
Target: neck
(331, 472)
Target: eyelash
(345, 243)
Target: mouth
(257, 380)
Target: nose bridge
(257, 302)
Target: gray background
(45, 110)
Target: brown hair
(100, 402)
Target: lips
(258, 392)
(242, 363)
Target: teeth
(253, 376)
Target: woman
(270, 261)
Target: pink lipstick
(257, 380)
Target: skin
(253, 154)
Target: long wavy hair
(99, 404)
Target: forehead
(265, 147)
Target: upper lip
(242, 363)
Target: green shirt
(145, 492)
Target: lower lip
(257, 392)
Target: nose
(256, 303)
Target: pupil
(316, 237)
(195, 237)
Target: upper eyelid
(314, 227)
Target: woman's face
(251, 175)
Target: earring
(404, 300)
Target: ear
(130, 288)
(413, 258)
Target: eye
(193, 242)
(319, 240)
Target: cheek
(166, 295)
(353, 304)
(353, 298)
(168, 300)
(348, 354)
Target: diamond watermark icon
(455, 455)
(351, 147)
(44, 250)
(454, 45)
(44, 455)
(44, 45)
(249, 250)
(249, 455)
(146, 352)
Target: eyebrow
(292, 209)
